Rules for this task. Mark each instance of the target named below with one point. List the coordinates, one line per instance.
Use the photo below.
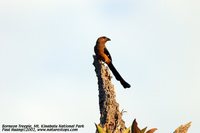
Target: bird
(103, 54)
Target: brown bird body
(104, 55)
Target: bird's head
(103, 39)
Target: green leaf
(143, 130)
(127, 130)
(108, 131)
(99, 129)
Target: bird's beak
(108, 39)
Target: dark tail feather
(118, 76)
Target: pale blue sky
(46, 71)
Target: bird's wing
(107, 53)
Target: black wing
(107, 53)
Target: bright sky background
(46, 71)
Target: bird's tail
(118, 76)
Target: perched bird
(104, 55)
